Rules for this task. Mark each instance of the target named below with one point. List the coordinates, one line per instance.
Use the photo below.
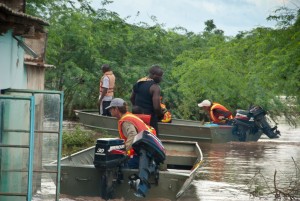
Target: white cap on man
(205, 103)
(116, 102)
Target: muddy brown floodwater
(232, 170)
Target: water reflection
(230, 168)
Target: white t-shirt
(105, 84)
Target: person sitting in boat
(129, 125)
(218, 114)
(167, 118)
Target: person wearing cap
(218, 114)
(146, 95)
(129, 125)
(106, 90)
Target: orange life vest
(112, 78)
(167, 114)
(139, 124)
(215, 119)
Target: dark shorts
(105, 104)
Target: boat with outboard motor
(166, 170)
(248, 125)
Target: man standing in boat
(146, 95)
(218, 114)
(129, 125)
(106, 90)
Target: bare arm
(104, 92)
(155, 91)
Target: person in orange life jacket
(106, 90)
(146, 95)
(167, 114)
(218, 114)
(129, 125)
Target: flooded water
(233, 170)
(236, 170)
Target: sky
(231, 16)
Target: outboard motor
(259, 115)
(243, 124)
(109, 157)
(151, 153)
(249, 122)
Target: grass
(80, 138)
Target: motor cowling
(243, 115)
(109, 157)
(151, 153)
(152, 145)
(250, 121)
(109, 153)
(244, 124)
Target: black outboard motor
(151, 153)
(249, 122)
(243, 124)
(259, 115)
(109, 158)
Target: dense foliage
(256, 67)
(75, 139)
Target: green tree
(255, 67)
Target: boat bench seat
(180, 158)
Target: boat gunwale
(196, 164)
(179, 129)
(93, 113)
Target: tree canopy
(258, 67)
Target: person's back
(146, 95)
(218, 113)
(143, 97)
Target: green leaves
(255, 67)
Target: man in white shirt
(106, 90)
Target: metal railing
(14, 95)
(30, 146)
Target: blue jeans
(133, 163)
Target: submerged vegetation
(282, 187)
(255, 67)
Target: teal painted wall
(15, 116)
(12, 71)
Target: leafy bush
(77, 139)
(80, 138)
